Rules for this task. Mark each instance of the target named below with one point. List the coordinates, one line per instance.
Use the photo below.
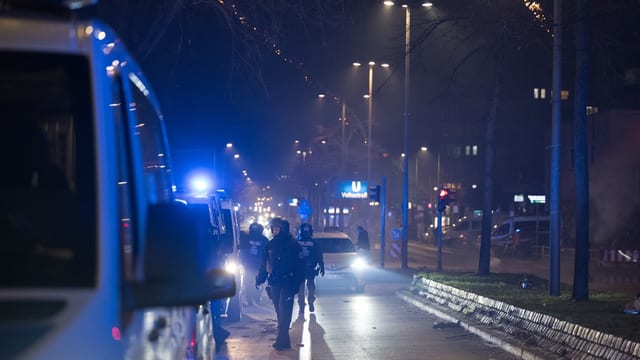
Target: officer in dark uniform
(282, 266)
(252, 248)
(313, 264)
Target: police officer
(251, 254)
(282, 266)
(363, 239)
(313, 264)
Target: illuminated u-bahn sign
(352, 189)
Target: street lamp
(343, 123)
(369, 97)
(405, 167)
(423, 149)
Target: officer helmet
(305, 231)
(281, 223)
(255, 229)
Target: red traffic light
(444, 194)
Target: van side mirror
(176, 262)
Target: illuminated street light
(405, 165)
(423, 149)
(369, 97)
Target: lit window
(467, 150)
(539, 93)
(475, 150)
(564, 94)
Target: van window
(468, 224)
(48, 186)
(154, 146)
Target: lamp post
(405, 165)
(423, 149)
(369, 96)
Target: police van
(529, 230)
(99, 260)
(234, 305)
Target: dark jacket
(282, 264)
(251, 249)
(312, 256)
(363, 240)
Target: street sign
(537, 199)
(304, 209)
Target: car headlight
(359, 263)
(231, 267)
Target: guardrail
(528, 332)
(610, 257)
(619, 256)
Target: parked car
(342, 263)
(463, 232)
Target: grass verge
(603, 311)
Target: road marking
(305, 350)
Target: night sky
(220, 81)
(215, 89)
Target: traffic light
(374, 193)
(445, 197)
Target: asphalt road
(374, 325)
(379, 325)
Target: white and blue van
(99, 260)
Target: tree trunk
(581, 274)
(485, 237)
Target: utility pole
(405, 166)
(554, 198)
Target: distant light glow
(200, 185)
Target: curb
(523, 333)
(493, 337)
